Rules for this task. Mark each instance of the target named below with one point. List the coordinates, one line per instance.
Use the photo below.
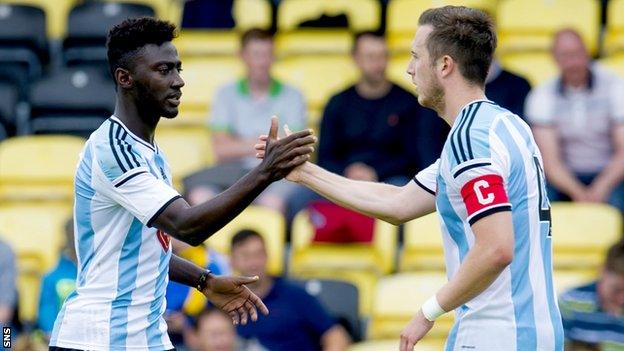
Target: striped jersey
(490, 163)
(122, 184)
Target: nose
(178, 82)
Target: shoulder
(114, 151)
(289, 290)
(400, 93)
(230, 89)
(546, 90)
(291, 91)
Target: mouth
(174, 99)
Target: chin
(169, 114)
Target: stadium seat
(614, 34)
(252, 14)
(35, 232)
(565, 280)
(9, 98)
(402, 18)
(318, 77)
(198, 43)
(358, 263)
(23, 45)
(170, 10)
(268, 223)
(398, 298)
(186, 149)
(56, 12)
(528, 25)
(537, 67)
(615, 63)
(203, 77)
(88, 26)
(393, 345)
(294, 40)
(73, 100)
(340, 299)
(422, 245)
(38, 167)
(397, 72)
(582, 233)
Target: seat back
(362, 14)
(422, 245)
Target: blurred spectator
(577, 120)
(207, 14)
(8, 289)
(297, 320)
(214, 331)
(593, 314)
(242, 111)
(507, 89)
(58, 283)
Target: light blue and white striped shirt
(518, 311)
(122, 184)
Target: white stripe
(487, 209)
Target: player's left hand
(232, 296)
(415, 330)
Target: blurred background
(339, 67)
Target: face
(215, 332)
(611, 292)
(371, 57)
(258, 58)
(249, 258)
(423, 73)
(157, 81)
(571, 57)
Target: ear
(446, 65)
(124, 78)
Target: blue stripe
(521, 289)
(126, 282)
(458, 133)
(82, 213)
(118, 137)
(111, 137)
(472, 118)
(154, 335)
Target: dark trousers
(54, 348)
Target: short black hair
(243, 236)
(255, 34)
(127, 38)
(367, 33)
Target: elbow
(187, 235)
(500, 257)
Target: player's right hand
(260, 147)
(281, 155)
(230, 295)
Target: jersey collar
(132, 135)
(462, 113)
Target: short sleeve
(616, 94)
(427, 178)
(220, 116)
(315, 315)
(135, 189)
(539, 107)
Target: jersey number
(544, 211)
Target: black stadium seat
(88, 25)
(23, 44)
(73, 101)
(8, 106)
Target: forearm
(335, 339)
(563, 179)
(184, 272)
(613, 174)
(6, 315)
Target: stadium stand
(73, 100)
(565, 280)
(56, 13)
(9, 97)
(28, 171)
(582, 233)
(615, 63)
(614, 33)
(393, 345)
(252, 14)
(422, 245)
(170, 10)
(268, 223)
(536, 67)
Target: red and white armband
(484, 196)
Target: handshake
(281, 156)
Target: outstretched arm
(227, 293)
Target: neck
(457, 97)
(259, 86)
(579, 81)
(141, 123)
(372, 89)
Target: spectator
(58, 283)
(506, 89)
(593, 314)
(577, 120)
(297, 320)
(214, 332)
(241, 112)
(8, 290)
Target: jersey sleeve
(427, 178)
(479, 173)
(123, 176)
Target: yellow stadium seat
(422, 245)
(318, 77)
(57, 13)
(397, 72)
(268, 223)
(187, 150)
(614, 35)
(537, 67)
(402, 18)
(35, 232)
(614, 63)
(566, 280)
(185, 119)
(530, 24)
(362, 14)
(39, 167)
(398, 298)
(313, 42)
(206, 42)
(252, 13)
(203, 77)
(393, 345)
(582, 233)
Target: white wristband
(431, 309)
